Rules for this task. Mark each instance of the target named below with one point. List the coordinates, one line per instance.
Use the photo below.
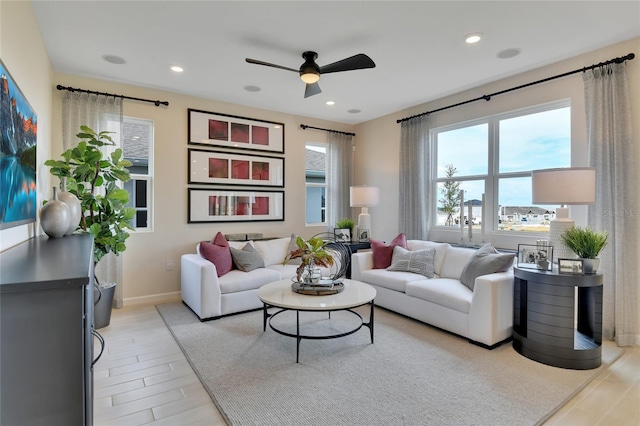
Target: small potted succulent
(586, 244)
(312, 253)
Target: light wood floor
(144, 379)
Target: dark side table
(557, 318)
(354, 247)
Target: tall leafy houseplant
(93, 178)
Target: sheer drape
(340, 154)
(415, 179)
(100, 113)
(612, 153)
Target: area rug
(413, 374)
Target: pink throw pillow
(382, 253)
(218, 253)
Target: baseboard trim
(154, 298)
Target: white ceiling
(417, 46)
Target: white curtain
(100, 113)
(415, 179)
(612, 153)
(339, 154)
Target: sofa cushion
(217, 252)
(236, 280)
(446, 292)
(454, 262)
(486, 260)
(383, 253)
(393, 280)
(273, 251)
(247, 259)
(418, 261)
(441, 251)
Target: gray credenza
(557, 318)
(46, 314)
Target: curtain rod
(304, 126)
(619, 60)
(73, 89)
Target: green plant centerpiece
(312, 253)
(93, 178)
(586, 244)
(346, 223)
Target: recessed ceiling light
(473, 38)
(330, 103)
(509, 53)
(176, 68)
(252, 88)
(113, 59)
(354, 111)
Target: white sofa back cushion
(273, 251)
(441, 251)
(455, 260)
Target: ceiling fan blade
(255, 61)
(356, 62)
(312, 89)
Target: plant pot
(103, 305)
(591, 265)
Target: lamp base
(364, 220)
(557, 228)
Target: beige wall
(145, 274)
(377, 146)
(23, 53)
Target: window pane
(516, 212)
(467, 149)
(141, 219)
(141, 193)
(536, 141)
(449, 202)
(315, 204)
(316, 180)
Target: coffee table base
(267, 319)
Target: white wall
(377, 145)
(23, 53)
(145, 277)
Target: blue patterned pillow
(419, 261)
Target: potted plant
(586, 244)
(312, 253)
(93, 178)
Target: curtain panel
(340, 160)
(612, 152)
(415, 198)
(100, 113)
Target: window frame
(324, 185)
(148, 177)
(493, 176)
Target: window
(316, 183)
(491, 159)
(137, 145)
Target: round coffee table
(279, 294)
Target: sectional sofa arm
(491, 313)
(200, 287)
(361, 261)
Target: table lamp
(364, 196)
(575, 185)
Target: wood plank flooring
(144, 379)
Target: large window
(491, 159)
(316, 183)
(137, 144)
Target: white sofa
(483, 315)
(211, 297)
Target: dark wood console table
(557, 318)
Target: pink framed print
(228, 168)
(230, 131)
(223, 205)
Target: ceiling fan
(310, 71)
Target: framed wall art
(223, 205)
(226, 168)
(535, 256)
(19, 130)
(229, 131)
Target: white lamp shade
(364, 196)
(576, 185)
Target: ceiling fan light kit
(310, 71)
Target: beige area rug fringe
(413, 374)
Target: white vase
(591, 265)
(54, 217)
(75, 209)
